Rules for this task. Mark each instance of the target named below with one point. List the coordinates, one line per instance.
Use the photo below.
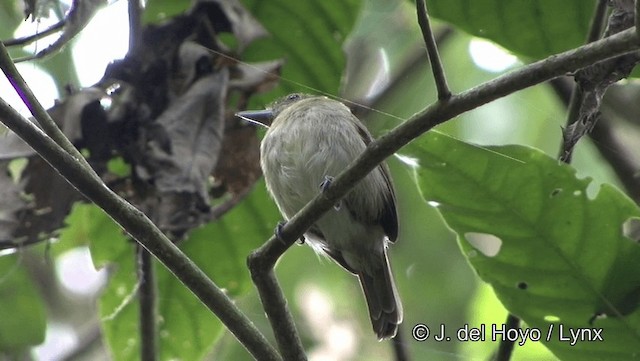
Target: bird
(310, 140)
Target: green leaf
(18, 296)
(552, 254)
(10, 18)
(187, 329)
(309, 36)
(533, 28)
(158, 10)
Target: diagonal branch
(432, 49)
(37, 36)
(38, 111)
(143, 231)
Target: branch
(637, 20)
(275, 307)
(37, 36)
(143, 231)
(262, 260)
(38, 111)
(597, 21)
(506, 345)
(609, 146)
(432, 49)
(147, 301)
(400, 349)
(577, 96)
(135, 23)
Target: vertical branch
(610, 147)
(506, 346)
(135, 23)
(400, 347)
(577, 96)
(637, 8)
(275, 306)
(597, 21)
(432, 49)
(147, 300)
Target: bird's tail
(385, 307)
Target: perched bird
(310, 140)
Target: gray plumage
(312, 137)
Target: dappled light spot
(77, 274)
(60, 340)
(410, 161)
(490, 57)
(592, 190)
(335, 336)
(551, 318)
(486, 243)
(577, 193)
(631, 229)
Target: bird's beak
(260, 117)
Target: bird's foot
(326, 183)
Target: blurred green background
(369, 52)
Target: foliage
(553, 255)
(561, 255)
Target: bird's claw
(326, 183)
(278, 233)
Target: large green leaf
(23, 320)
(309, 36)
(553, 255)
(187, 329)
(534, 28)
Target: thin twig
(416, 59)
(138, 225)
(221, 209)
(432, 49)
(37, 36)
(38, 111)
(147, 300)
(506, 345)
